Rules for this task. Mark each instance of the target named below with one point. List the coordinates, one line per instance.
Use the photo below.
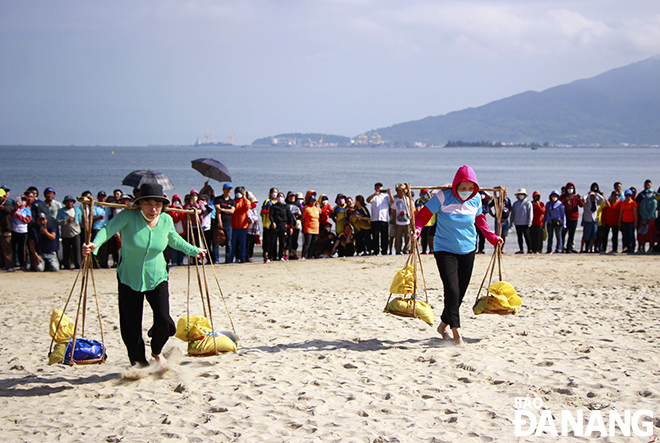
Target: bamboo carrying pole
(498, 196)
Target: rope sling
(87, 273)
(414, 259)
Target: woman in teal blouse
(142, 270)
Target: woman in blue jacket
(459, 213)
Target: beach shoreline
(318, 360)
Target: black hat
(152, 191)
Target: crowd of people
(48, 234)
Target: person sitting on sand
(458, 211)
(345, 243)
(142, 270)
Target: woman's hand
(202, 254)
(88, 248)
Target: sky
(169, 71)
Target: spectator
(268, 231)
(504, 219)
(361, 221)
(338, 213)
(590, 220)
(345, 244)
(555, 221)
(21, 216)
(6, 250)
(310, 223)
(380, 201)
(180, 226)
(69, 219)
(648, 205)
(50, 207)
(239, 224)
(481, 242)
(281, 221)
(610, 221)
(293, 204)
(627, 221)
(522, 214)
(326, 210)
(424, 197)
(43, 246)
(325, 241)
(536, 231)
(572, 204)
(402, 221)
(253, 227)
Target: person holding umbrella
(142, 270)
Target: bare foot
(442, 330)
(160, 359)
(458, 339)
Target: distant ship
(208, 141)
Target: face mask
(239, 195)
(570, 190)
(464, 195)
(520, 197)
(425, 196)
(537, 198)
(273, 195)
(341, 202)
(553, 199)
(281, 199)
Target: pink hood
(465, 173)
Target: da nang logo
(531, 419)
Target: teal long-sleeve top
(142, 265)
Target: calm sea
(352, 171)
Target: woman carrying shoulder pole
(458, 211)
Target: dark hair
(378, 184)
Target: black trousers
(455, 272)
(309, 246)
(571, 226)
(523, 232)
(380, 229)
(615, 236)
(71, 247)
(277, 241)
(536, 236)
(131, 304)
(424, 235)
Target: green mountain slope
(618, 106)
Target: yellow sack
(191, 328)
(501, 299)
(204, 346)
(58, 353)
(403, 307)
(404, 281)
(67, 326)
(197, 331)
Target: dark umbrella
(137, 178)
(212, 168)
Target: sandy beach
(318, 360)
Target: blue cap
(227, 186)
(628, 192)
(67, 198)
(49, 189)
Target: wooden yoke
(498, 198)
(90, 200)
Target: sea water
(351, 171)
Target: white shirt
(380, 207)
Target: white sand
(318, 360)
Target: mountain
(618, 106)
